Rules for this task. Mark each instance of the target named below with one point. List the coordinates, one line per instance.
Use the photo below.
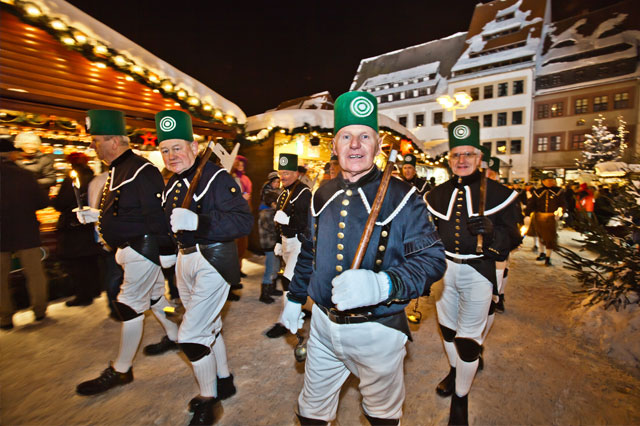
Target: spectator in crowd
(21, 196)
(268, 239)
(271, 185)
(243, 181)
(35, 161)
(603, 207)
(326, 177)
(585, 204)
(335, 168)
(77, 246)
(304, 177)
(570, 197)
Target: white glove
(292, 317)
(167, 261)
(527, 221)
(281, 217)
(183, 220)
(87, 215)
(277, 250)
(359, 287)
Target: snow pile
(401, 76)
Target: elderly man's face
(408, 171)
(105, 147)
(356, 146)
(288, 177)
(464, 160)
(549, 182)
(178, 155)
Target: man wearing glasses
(470, 279)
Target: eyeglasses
(466, 155)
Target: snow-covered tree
(602, 145)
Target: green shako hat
(494, 164)
(486, 154)
(173, 124)
(465, 132)
(355, 108)
(105, 122)
(410, 159)
(288, 162)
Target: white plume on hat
(27, 138)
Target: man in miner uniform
(548, 202)
(130, 221)
(358, 324)
(470, 279)
(207, 261)
(409, 174)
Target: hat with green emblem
(410, 159)
(174, 124)
(465, 132)
(105, 122)
(288, 162)
(355, 108)
(494, 164)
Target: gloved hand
(481, 225)
(277, 250)
(281, 217)
(183, 220)
(87, 215)
(292, 317)
(359, 287)
(167, 261)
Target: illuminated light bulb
(68, 41)
(176, 104)
(100, 50)
(137, 69)
(58, 25)
(182, 94)
(32, 10)
(80, 38)
(153, 78)
(192, 100)
(128, 78)
(167, 86)
(156, 91)
(207, 107)
(462, 98)
(120, 61)
(101, 65)
(282, 131)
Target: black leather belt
(468, 261)
(193, 249)
(342, 318)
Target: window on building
(556, 109)
(621, 100)
(389, 98)
(501, 147)
(582, 106)
(403, 120)
(474, 93)
(502, 119)
(489, 146)
(577, 142)
(422, 92)
(437, 117)
(600, 103)
(487, 120)
(543, 144)
(503, 89)
(475, 117)
(518, 87)
(543, 111)
(516, 146)
(419, 120)
(516, 117)
(488, 92)
(555, 143)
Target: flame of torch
(75, 183)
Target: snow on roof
(399, 76)
(295, 118)
(97, 30)
(599, 37)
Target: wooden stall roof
(39, 75)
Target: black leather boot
(161, 347)
(273, 291)
(448, 384)
(458, 414)
(109, 378)
(375, 421)
(305, 421)
(541, 256)
(264, 294)
(500, 304)
(203, 411)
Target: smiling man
(470, 279)
(207, 261)
(358, 324)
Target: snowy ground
(544, 364)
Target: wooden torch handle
(186, 203)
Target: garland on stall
(103, 56)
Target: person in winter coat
(35, 161)
(268, 240)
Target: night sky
(260, 56)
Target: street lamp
(460, 100)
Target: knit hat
(465, 132)
(27, 137)
(410, 159)
(273, 176)
(105, 122)
(174, 124)
(288, 162)
(355, 108)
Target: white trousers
(203, 293)
(142, 281)
(371, 351)
(290, 250)
(464, 304)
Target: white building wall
(428, 131)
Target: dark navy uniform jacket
(132, 201)
(421, 184)
(453, 202)
(546, 200)
(297, 209)
(404, 244)
(223, 214)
